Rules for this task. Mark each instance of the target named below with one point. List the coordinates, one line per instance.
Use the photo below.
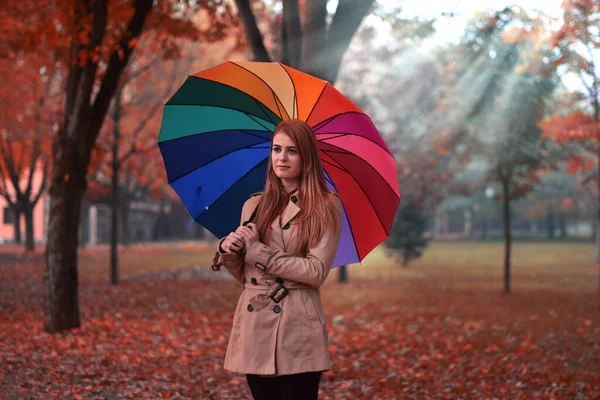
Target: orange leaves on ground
(390, 336)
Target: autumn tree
(502, 76)
(578, 43)
(96, 39)
(30, 101)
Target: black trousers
(303, 386)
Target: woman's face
(285, 158)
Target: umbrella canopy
(215, 142)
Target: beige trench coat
(290, 336)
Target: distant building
(7, 217)
(148, 220)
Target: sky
(467, 8)
(450, 28)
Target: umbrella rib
(331, 118)
(277, 103)
(324, 140)
(228, 189)
(326, 121)
(334, 166)
(372, 205)
(267, 85)
(221, 156)
(294, 103)
(252, 117)
(337, 135)
(224, 84)
(261, 105)
(220, 130)
(363, 190)
(317, 102)
(346, 211)
(347, 152)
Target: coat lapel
(289, 213)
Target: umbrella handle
(253, 215)
(216, 264)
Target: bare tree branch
(149, 116)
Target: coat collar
(289, 213)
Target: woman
(281, 258)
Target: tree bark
(17, 224)
(72, 149)
(505, 179)
(114, 225)
(322, 49)
(484, 229)
(29, 228)
(315, 36)
(345, 23)
(550, 220)
(255, 39)
(61, 305)
(293, 32)
(562, 225)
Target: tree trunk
(253, 34)
(114, 220)
(114, 231)
(550, 224)
(322, 47)
(61, 298)
(29, 229)
(562, 225)
(72, 148)
(17, 224)
(314, 36)
(484, 229)
(507, 236)
(293, 32)
(343, 275)
(348, 17)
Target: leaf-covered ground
(439, 329)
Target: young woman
(281, 258)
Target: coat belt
(271, 293)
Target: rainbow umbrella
(215, 143)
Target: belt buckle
(279, 287)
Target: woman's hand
(249, 233)
(233, 243)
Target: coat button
(253, 280)
(276, 309)
(286, 226)
(294, 199)
(250, 308)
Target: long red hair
(315, 199)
